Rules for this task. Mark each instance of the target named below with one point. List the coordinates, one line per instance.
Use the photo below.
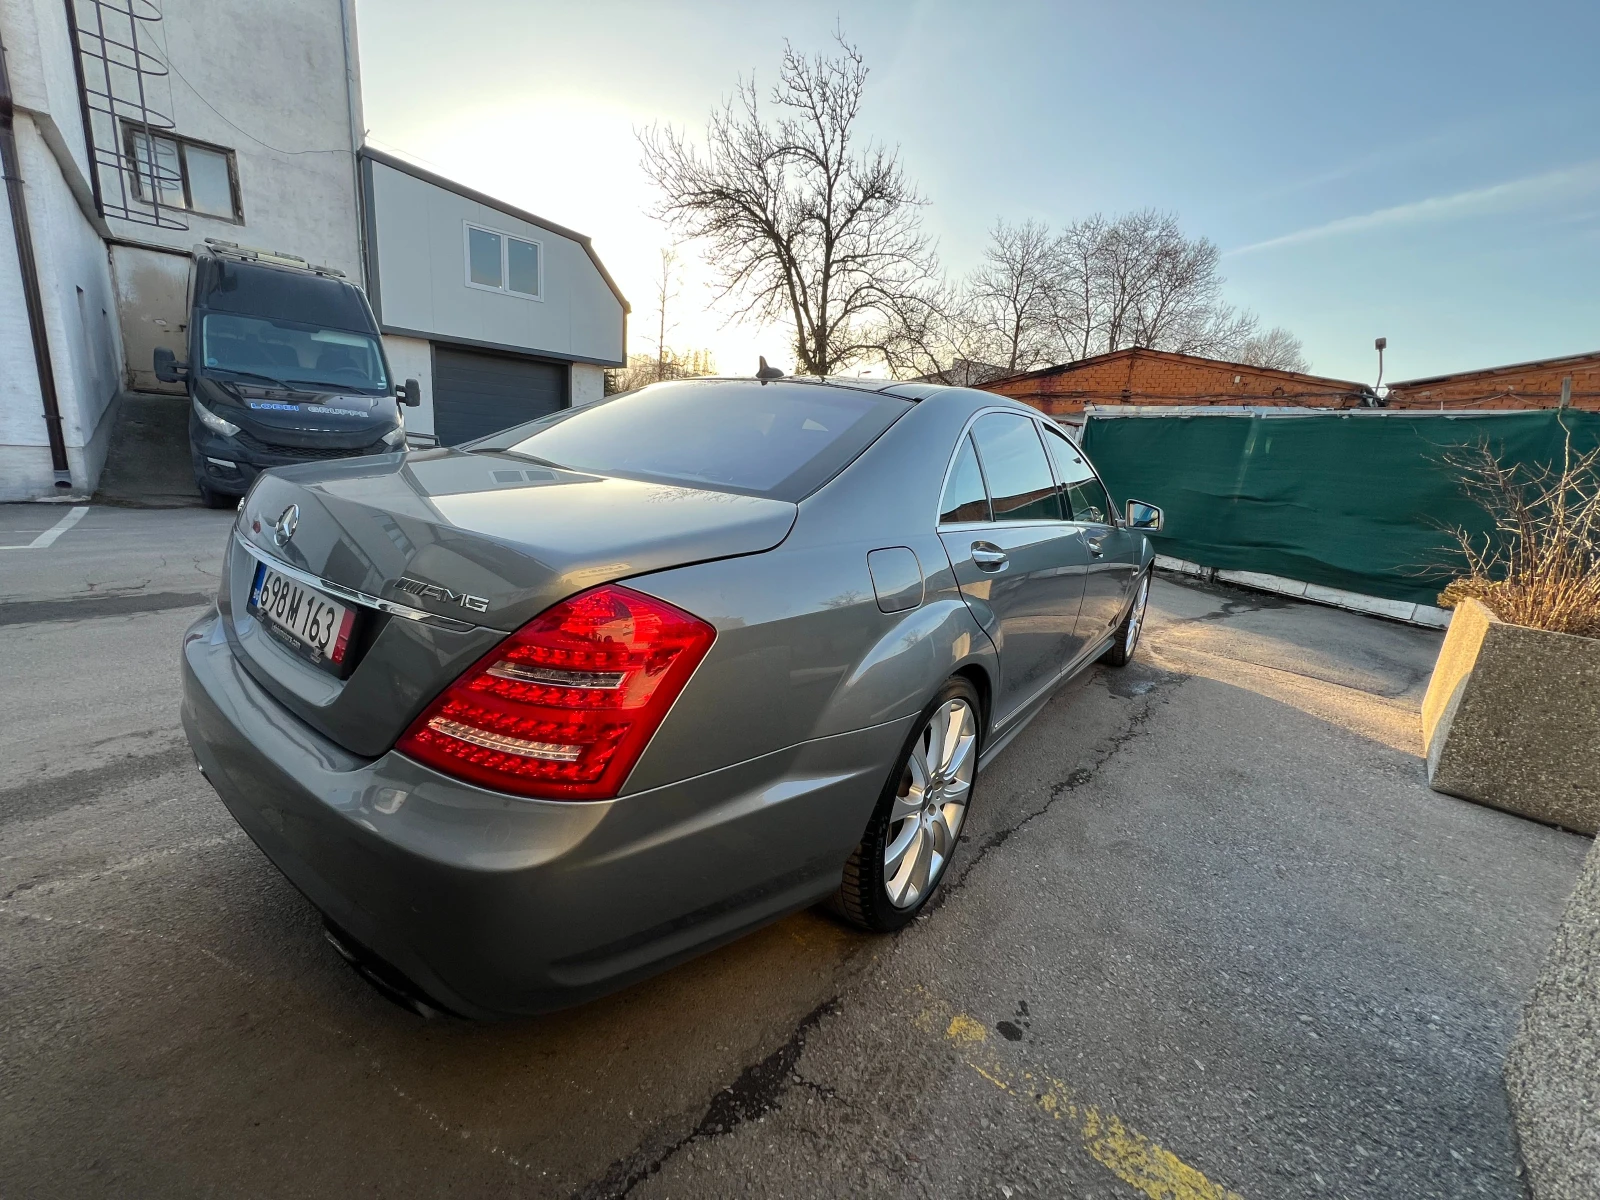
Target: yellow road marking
(963, 1028)
(1126, 1153)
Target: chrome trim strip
(391, 607)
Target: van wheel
(213, 499)
(914, 831)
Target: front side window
(499, 262)
(964, 497)
(1021, 487)
(1084, 494)
(175, 172)
(781, 440)
(291, 353)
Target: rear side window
(780, 440)
(964, 497)
(1084, 494)
(1021, 487)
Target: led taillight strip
(505, 744)
(554, 677)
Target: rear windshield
(781, 440)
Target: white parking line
(48, 537)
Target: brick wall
(1533, 385)
(1156, 377)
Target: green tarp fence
(1348, 500)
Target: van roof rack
(277, 258)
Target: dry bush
(1539, 565)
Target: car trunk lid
(475, 545)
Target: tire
(213, 499)
(916, 826)
(1132, 626)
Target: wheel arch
(978, 676)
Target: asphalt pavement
(1209, 934)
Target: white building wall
(421, 261)
(43, 79)
(588, 383)
(75, 279)
(24, 452)
(412, 358)
(76, 292)
(268, 81)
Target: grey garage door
(476, 394)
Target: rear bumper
(496, 906)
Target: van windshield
(292, 353)
(781, 440)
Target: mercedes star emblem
(283, 528)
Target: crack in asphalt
(1231, 608)
(1112, 746)
(754, 1094)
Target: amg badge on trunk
(433, 591)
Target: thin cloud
(1497, 198)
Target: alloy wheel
(1136, 617)
(930, 804)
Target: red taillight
(564, 706)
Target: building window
(177, 172)
(498, 262)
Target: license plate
(302, 619)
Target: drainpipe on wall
(11, 167)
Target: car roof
(898, 388)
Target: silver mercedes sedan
(530, 718)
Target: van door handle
(1095, 547)
(989, 557)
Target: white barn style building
(496, 311)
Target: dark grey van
(285, 366)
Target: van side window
(1020, 485)
(964, 498)
(1081, 490)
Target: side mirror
(1146, 517)
(168, 368)
(411, 393)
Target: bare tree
(666, 292)
(1011, 299)
(1078, 298)
(1139, 280)
(1277, 348)
(805, 223)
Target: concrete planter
(1553, 1070)
(1512, 719)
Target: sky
(1425, 172)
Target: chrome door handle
(989, 557)
(1095, 548)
